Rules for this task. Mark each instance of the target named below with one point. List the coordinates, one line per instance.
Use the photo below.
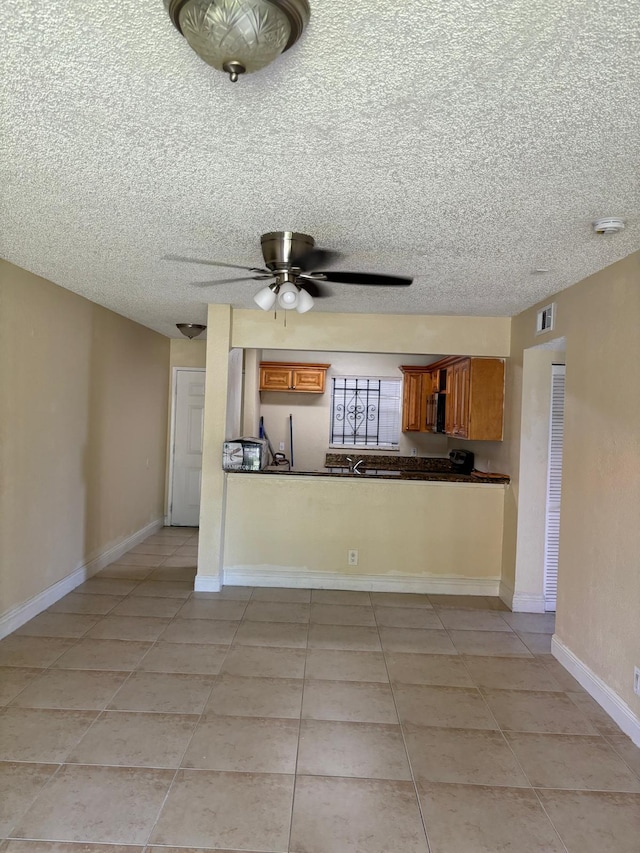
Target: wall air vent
(545, 319)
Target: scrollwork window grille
(365, 412)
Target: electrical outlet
(281, 445)
(414, 451)
(636, 680)
(352, 558)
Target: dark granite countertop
(428, 469)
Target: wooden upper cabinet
(474, 397)
(475, 403)
(293, 376)
(484, 407)
(413, 400)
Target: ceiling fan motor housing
(282, 250)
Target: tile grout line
(421, 811)
(295, 768)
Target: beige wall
(393, 333)
(598, 574)
(186, 353)
(312, 412)
(306, 525)
(82, 432)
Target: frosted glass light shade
(305, 302)
(249, 32)
(288, 295)
(265, 298)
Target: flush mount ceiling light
(190, 330)
(239, 36)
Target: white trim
(17, 616)
(172, 436)
(285, 576)
(207, 583)
(523, 602)
(505, 592)
(604, 695)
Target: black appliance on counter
(461, 461)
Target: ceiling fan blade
(315, 257)
(314, 288)
(182, 259)
(364, 278)
(230, 280)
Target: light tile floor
(138, 715)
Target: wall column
(213, 493)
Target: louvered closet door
(554, 487)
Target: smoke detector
(610, 225)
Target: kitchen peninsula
(416, 527)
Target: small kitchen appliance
(245, 454)
(461, 461)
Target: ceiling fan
(291, 260)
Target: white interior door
(554, 487)
(186, 478)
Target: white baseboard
(505, 592)
(207, 583)
(17, 616)
(607, 698)
(300, 578)
(526, 603)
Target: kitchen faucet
(354, 467)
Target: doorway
(185, 463)
(533, 475)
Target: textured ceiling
(463, 142)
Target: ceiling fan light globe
(305, 302)
(288, 295)
(265, 298)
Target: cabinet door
(412, 402)
(451, 405)
(308, 379)
(486, 399)
(275, 378)
(432, 408)
(464, 388)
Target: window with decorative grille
(365, 412)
